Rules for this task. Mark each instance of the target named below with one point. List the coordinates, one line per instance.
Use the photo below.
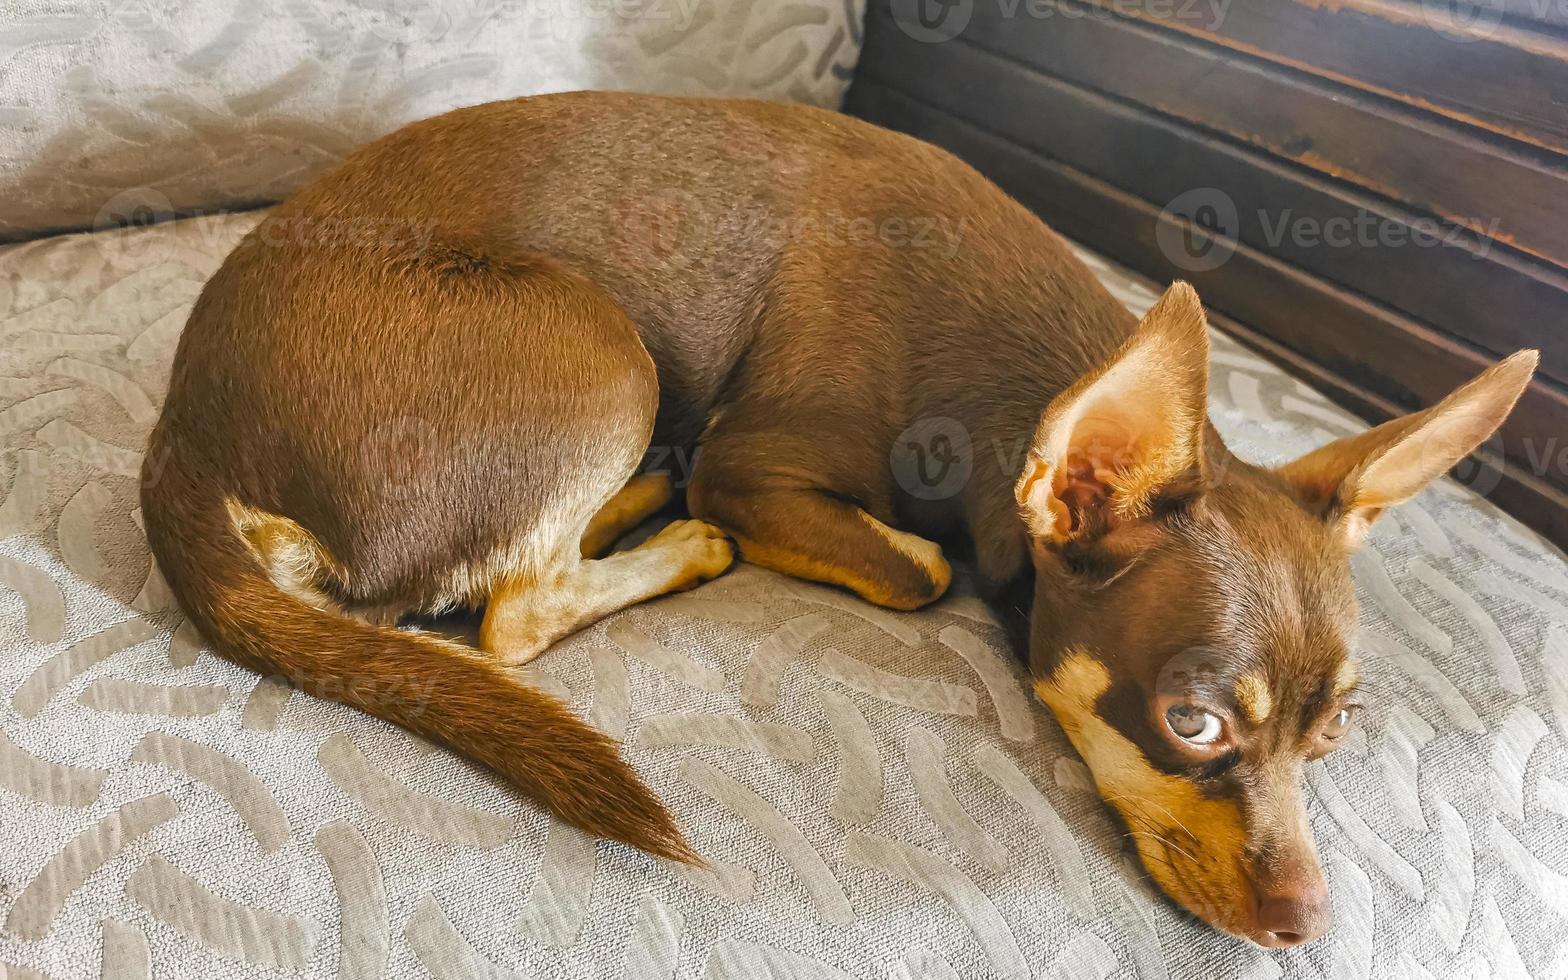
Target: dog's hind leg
(643, 496)
(526, 615)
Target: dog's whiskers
(1164, 842)
(1145, 801)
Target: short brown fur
(430, 379)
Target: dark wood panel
(1506, 79)
(1550, 14)
(1436, 167)
(1474, 289)
(1516, 490)
(1346, 343)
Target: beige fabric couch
(115, 110)
(878, 793)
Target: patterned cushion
(110, 110)
(877, 792)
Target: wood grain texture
(1537, 13)
(1488, 72)
(1473, 288)
(1491, 186)
(1374, 361)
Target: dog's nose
(1294, 916)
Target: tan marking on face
(1252, 694)
(1349, 673)
(1193, 846)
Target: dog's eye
(1340, 724)
(1193, 724)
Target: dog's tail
(437, 688)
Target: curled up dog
(412, 423)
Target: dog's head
(1194, 616)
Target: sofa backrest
(116, 111)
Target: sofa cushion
(111, 112)
(877, 793)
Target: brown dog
(428, 380)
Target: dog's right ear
(1107, 447)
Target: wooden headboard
(1373, 193)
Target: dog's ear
(1355, 479)
(1107, 447)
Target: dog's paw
(705, 551)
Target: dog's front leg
(816, 535)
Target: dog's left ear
(1355, 479)
(1107, 447)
